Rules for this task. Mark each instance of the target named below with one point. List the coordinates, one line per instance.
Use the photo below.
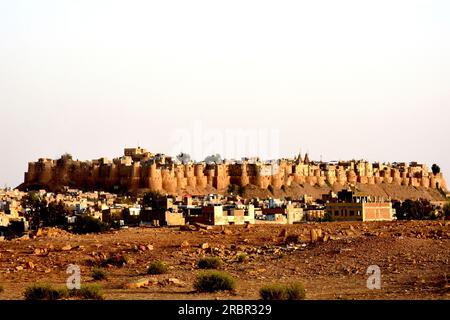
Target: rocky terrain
(331, 259)
(316, 192)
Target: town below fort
(324, 223)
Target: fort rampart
(139, 169)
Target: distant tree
(214, 159)
(34, 205)
(446, 211)
(436, 169)
(236, 189)
(56, 214)
(328, 217)
(87, 224)
(40, 213)
(184, 157)
(67, 156)
(415, 210)
(150, 198)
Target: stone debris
(173, 281)
(203, 226)
(185, 244)
(329, 250)
(52, 232)
(204, 246)
(283, 233)
(314, 235)
(139, 283)
(188, 227)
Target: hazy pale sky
(340, 79)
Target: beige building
(219, 215)
(361, 211)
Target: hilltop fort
(140, 170)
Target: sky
(338, 79)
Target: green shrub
(87, 224)
(44, 291)
(209, 263)
(293, 291)
(99, 273)
(157, 267)
(272, 292)
(212, 281)
(446, 210)
(88, 292)
(242, 257)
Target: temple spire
(299, 159)
(306, 161)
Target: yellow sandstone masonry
(139, 169)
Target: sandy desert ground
(414, 258)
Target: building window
(336, 213)
(352, 213)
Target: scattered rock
(203, 226)
(25, 237)
(29, 265)
(314, 235)
(185, 244)
(349, 233)
(67, 247)
(204, 246)
(283, 233)
(319, 233)
(227, 231)
(19, 268)
(176, 282)
(188, 227)
(139, 283)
